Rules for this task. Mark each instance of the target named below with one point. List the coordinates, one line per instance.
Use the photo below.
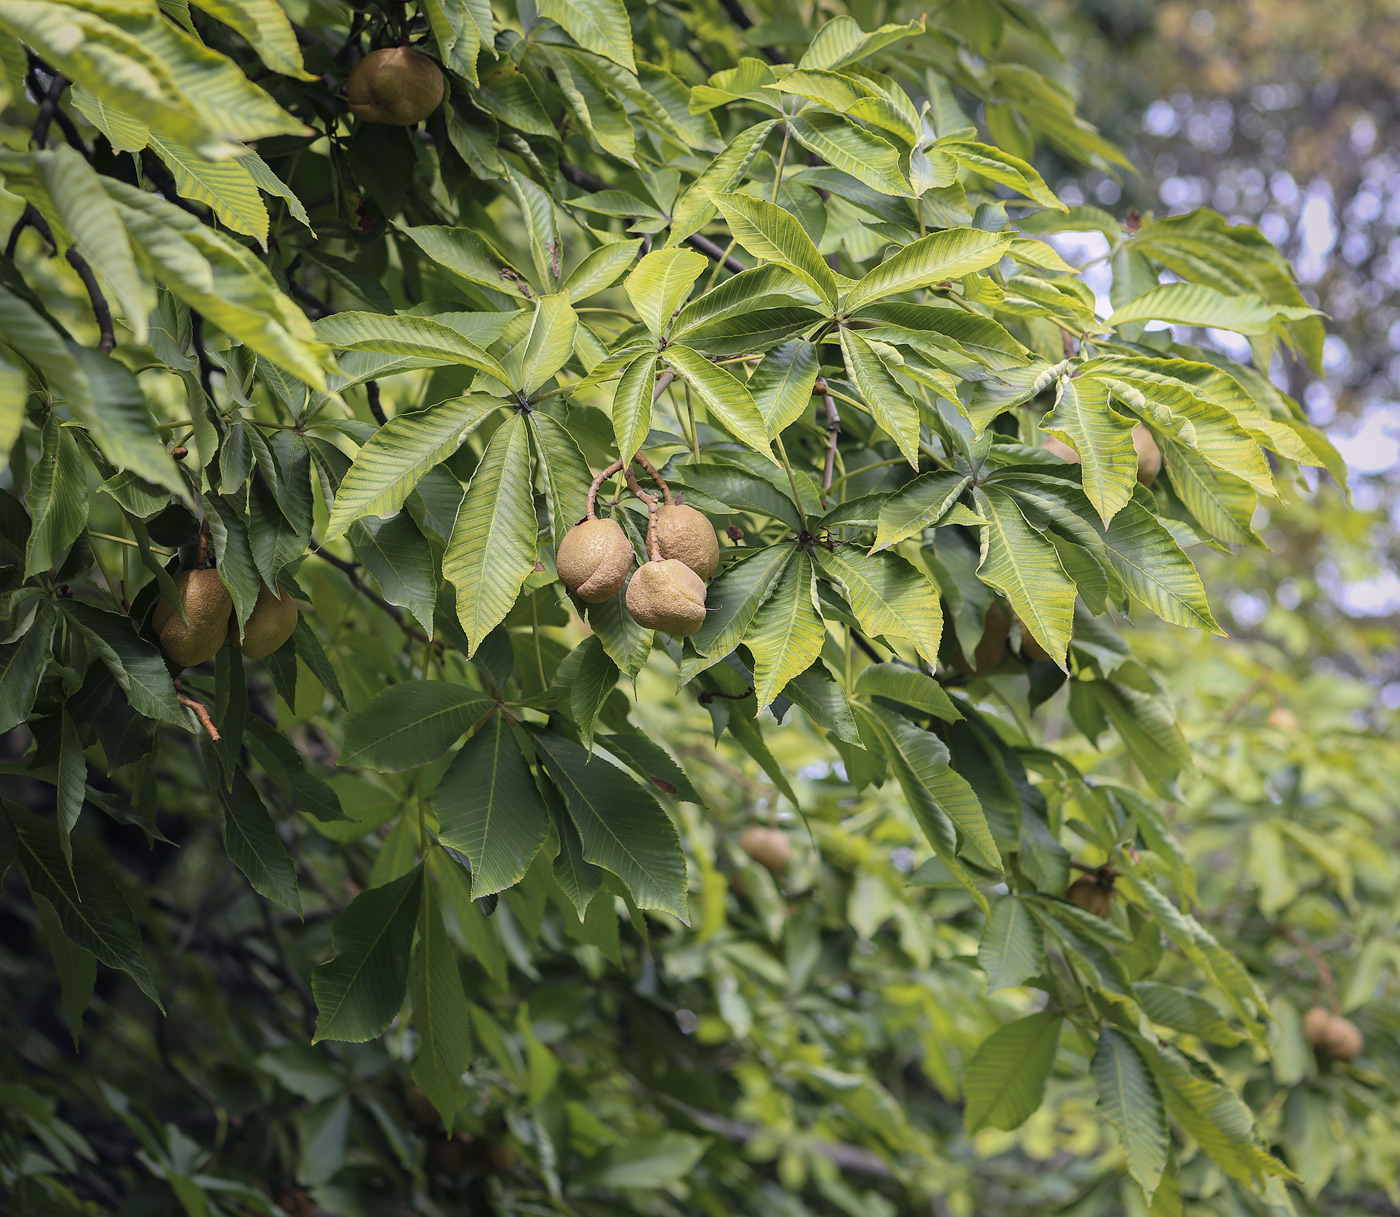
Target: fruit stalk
(610, 471)
(656, 477)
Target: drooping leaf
(410, 723)
(360, 991)
(489, 808)
(492, 548)
(439, 1012)
(936, 258)
(787, 633)
(1012, 948)
(888, 596)
(726, 399)
(1132, 1103)
(1005, 1078)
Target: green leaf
(360, 992)
(1194, 304)
(492, 548)
(817, 694)
(91, 909)
(889, 596)
(939, 797)
(936, 258)
(1154, 569)
(1132, 1103)
(22, 665)
(1212, 1114)
(998, 165)
(439, 1013)
(76, 968)
(1084, 419)
(595, 680)
(406, 335)
(742, 490)
(696, 207)
(885, 398)
(649, 1163)
(72, 782)
(465, 252)
(410, 724)
(137, 665)
(489, 809)
(1005, 1080)
(623, 639)
(1012, 949)
(622, 827)
(221, 280)
(787, 633)
(917, 505)
(459, 34)
(399, 557)
(852, 149)
(57, 499)
(772, 234)
(782, 383)
(565, 471)
(1185, 1011)
(226, 187)
(735, 597)
(95, 225)
(600, 26)
(1021, 564)
(649, 760)
(841, 41)
(251, 839)
(548, 345)
(909, 687)
(661, 282)
(726, 400)
(632, 401)
(391, 463)
(266, 28)
(600, 269)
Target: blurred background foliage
(1279, 114)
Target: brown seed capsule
(1091, 895)
(769, 847)
(179, 452)
(1344, 1041)
(685, 534)
(991, 649)
(593, 560)
(1282, 718)
(269, 625)
(207, 605)
(667, 596)
(1316, 1023)
(1149, 456)
(396, 85)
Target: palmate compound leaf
(1132, 1103)
(622, 826)
(1021, 564)
(489, 808)
(492, 548)
(360, 991)
(1005, 1079)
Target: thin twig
(632, 485)
(372, 392)
(351, 572)
(611, 471)
(1319, 961)
(666, 496)
(711, 250)
(833, 432)
(201, 712)
(47, 106)
(100, 308)
(206, 365)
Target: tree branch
(372, 392)
(48, 105)
(100, 308)
(711, 250)
(833, 432)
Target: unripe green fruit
(207, 605)
(667, 596)
(1148, 454)
(1091, 895)
(396, 85)
(269, 625)
(769, 847)
(685, 534)
(593, 560)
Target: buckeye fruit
(769, 847)
(207, 605)
(685, 534)
(395, 85)
(269, 625)
(667, 595)
(593, 560)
